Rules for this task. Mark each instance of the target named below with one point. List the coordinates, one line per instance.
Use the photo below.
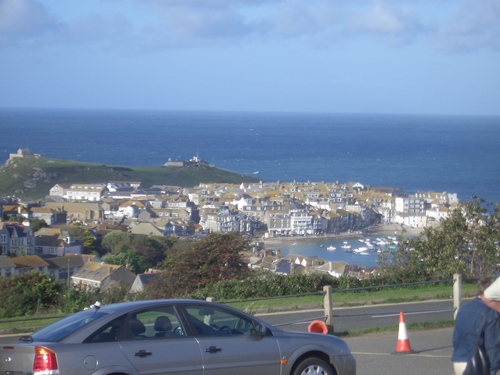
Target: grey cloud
(396, 25)
(194, 23)
(93, 28)
(20, 19)
(473, 27)
(208, 3)
(29, 22)
(205, 23)
(224, 18)
(316, 22)
(296, 21)
(218, 19)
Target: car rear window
(65, 327)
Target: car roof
(147, 303)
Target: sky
(339, 56)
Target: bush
(263, 284)
(28, 294)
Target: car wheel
(312, 366)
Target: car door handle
(213, 349)
(142, 353)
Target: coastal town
(269, 212)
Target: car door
(229, 344)
(155, 343)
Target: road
(355, 318)
(376, 353)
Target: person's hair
(483, 284)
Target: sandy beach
(383, 230)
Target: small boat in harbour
(361, 249)
(331, 248)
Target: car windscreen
(65, 327)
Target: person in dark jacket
(467, 331)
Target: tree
(154, 248)
(36, 224)
(467, 242)
(81, 234)
(130, 259)
(16, 218)
(151, 254)
(116, 241)
(28, 294)
(148, 250)
(192, 265)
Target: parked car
(171, 337)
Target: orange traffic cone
(318, 326)
(403, 345)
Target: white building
(411, 220)
(79, 192)
(410, 205)
(301, 222)
(438, 213)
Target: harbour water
(358, 252)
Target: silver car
(172, 337)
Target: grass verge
(355, 298)
(341, 299)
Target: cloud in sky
(394, 25)
(425, 56)
(461, 26)
(24, 20)
(472, 27)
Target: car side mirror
(260, 330)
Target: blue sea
(456, 154)
(459, 154)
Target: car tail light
(45, 360)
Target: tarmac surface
(430, 353)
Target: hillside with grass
(32, 177)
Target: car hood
(331, 342)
